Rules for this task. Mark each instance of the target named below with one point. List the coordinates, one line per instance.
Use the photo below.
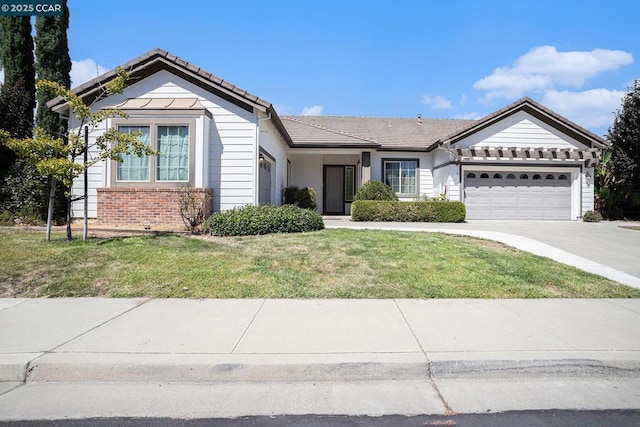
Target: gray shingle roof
(385, 132)
(149, 63)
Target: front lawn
(324, 264)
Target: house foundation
(153, 207)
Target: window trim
(400, 159)
(153, 123)
(353, 190)
(116, 168)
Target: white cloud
(81, 71)
(592, 108)
(544, 68)
(437, 102)
(283, 110)
(315, 110)
(84, 70)
(464, 99)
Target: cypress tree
(17, 101)
(53, 64)
(16, 54)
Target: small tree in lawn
(65, 161)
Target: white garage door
(518, 195)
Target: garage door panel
(548, 198)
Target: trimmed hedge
(262, 219)
(430, 211)
(302, 197)
(375, 190)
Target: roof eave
(538, 111)
(154, 61)
(338, 145)
(280, 126)
(403, 148)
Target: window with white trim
(401, 175)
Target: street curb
(180, 370)
(535, 368)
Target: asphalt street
(504, 419)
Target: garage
(513, 195)
(264, 195)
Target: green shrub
(263, 219)
(592, 216)
(431, 211)
(375, 190)
(301, 197)
(6, 219)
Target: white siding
(307, 171)
(96, 174)
(445, 177)
(272, 142)
(447, 180)
(520, 130)
(588, 191)
(225, 145)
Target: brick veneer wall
(144, 206)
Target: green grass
(324, 264)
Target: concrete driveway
(606, 243)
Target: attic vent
(419, 118)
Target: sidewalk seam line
(248, 326)
(53, 350)
(447, 409)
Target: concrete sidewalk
(107, 357)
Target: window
(524, 176)
(562, 177)
(134, 168)
(511, 176)
(401, 175)
(174, 166)
(549, 176)
(471, 175)
(349, 183)
(537, 176)
(173, 161)
(497, 176)
(484, 175)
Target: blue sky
(443, 59)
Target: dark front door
(334, 190)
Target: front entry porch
(335, 178)
(338, 189)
